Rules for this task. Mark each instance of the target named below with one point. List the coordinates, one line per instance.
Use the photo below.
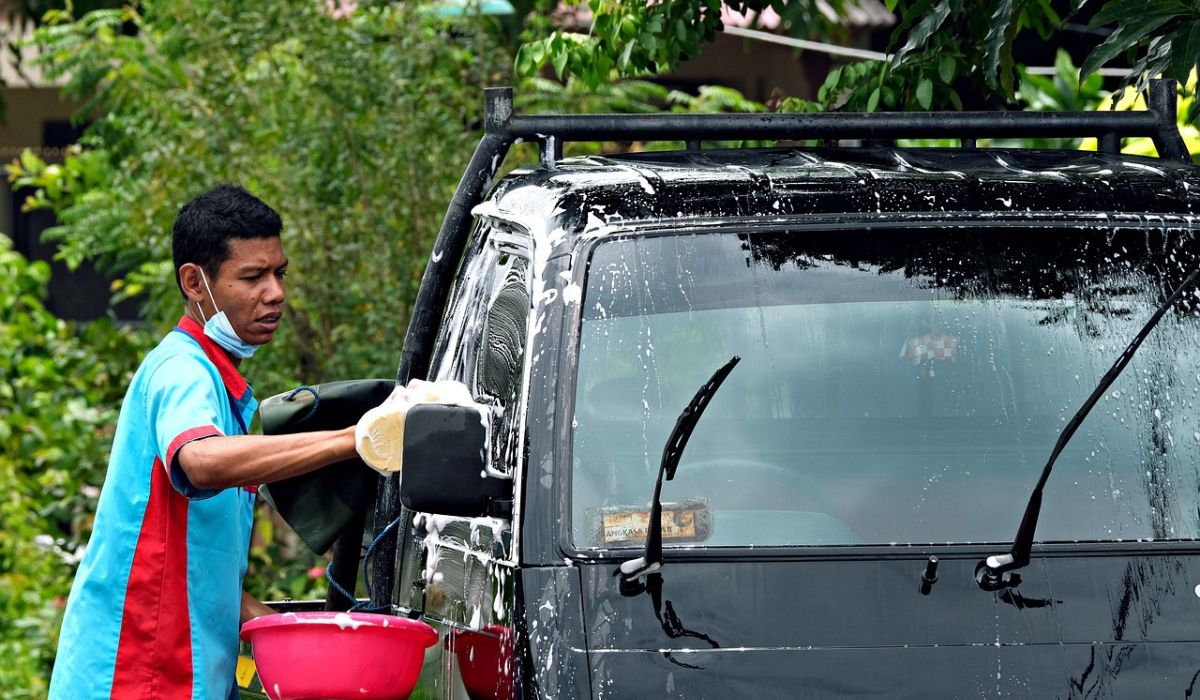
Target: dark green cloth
(318, 505)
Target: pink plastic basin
(327, 655)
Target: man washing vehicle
(157, 602)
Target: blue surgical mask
(221, 330)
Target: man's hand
(253, 607)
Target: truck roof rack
(1157, 122)
(502, 129)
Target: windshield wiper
(651, 559)
(995, 572)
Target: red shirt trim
(187, 436)
(235, 383)
(154, 650)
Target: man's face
(249, 287)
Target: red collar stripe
(235, 384)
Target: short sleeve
(183, 403)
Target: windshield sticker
(625, 526)
(927, 348)
(930, 347)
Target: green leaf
(537, 53)
(1039, 93)
(1090, 87)
(995, 41)
(602, 25)
(524, 64)
(604, 65)
(955, 99)
(920, 33)
(1066, 70)
(559, 60)
(623, 60)
(947, 67)
(925, 93)
(1121, 40)
(1193, 111)
(908, 18)
(32, 164)
(829, 88)
(1042, 18)
(1131, 10)
(629, 29)
(891, 98)
(1185, 50)
(873, 100)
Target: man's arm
(240, 460)
(252, 607)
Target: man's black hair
(204, 226)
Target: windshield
(895, 387)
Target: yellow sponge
(379, 436)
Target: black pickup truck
(842, 420)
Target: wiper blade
(651, 559)
(995, 572)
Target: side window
(501, 350)
(483, 336)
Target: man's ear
(193, 285)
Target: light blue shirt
(154, 609)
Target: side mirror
(445, 464)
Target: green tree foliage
(638, 38)
(1159, 37)
(354, 124)
(60, 390)
(17, 18)
(938, 49)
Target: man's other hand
(253, 607)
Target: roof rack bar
(1157, 122)
(711, 127)
(550, 151)
(1110, 143)
(1161, 102)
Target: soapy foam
(343, 620)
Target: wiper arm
(651, 559)
(995, 572)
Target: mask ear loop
(199, 306)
